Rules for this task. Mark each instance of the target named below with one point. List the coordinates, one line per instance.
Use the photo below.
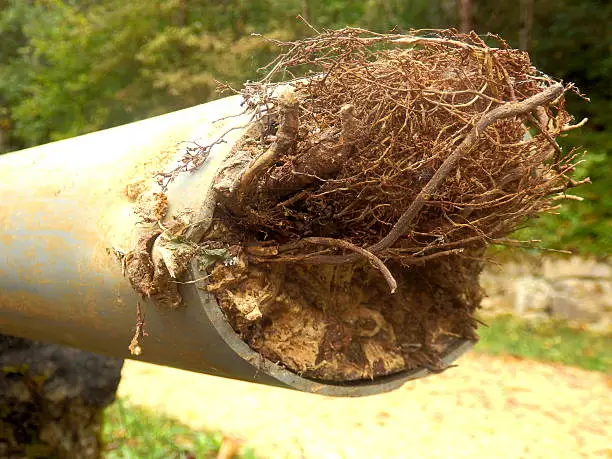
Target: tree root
(285, 140)
(402, 226)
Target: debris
(151, 207)
(135, 346)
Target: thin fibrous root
(402, 226)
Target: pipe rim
(289, 379)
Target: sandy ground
(487, 407)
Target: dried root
(408, 154)
(401, 149)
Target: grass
(131, 432)
(134, 433)
(547, 342)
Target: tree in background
(465, 15)
(73, 66)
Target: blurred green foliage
(68, 67)
(583, 227)
(547, 342)
(73, 67)
(132, 432)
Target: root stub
(389, 169)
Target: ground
(501, 407)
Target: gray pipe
(65, 210)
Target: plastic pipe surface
(65, 209)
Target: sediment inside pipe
(339, 323)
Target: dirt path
(487, 407)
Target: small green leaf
(209, 257)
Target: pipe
(65, 210)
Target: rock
(566, 308)
(51, 399)
(574, 289)
(531, 294)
